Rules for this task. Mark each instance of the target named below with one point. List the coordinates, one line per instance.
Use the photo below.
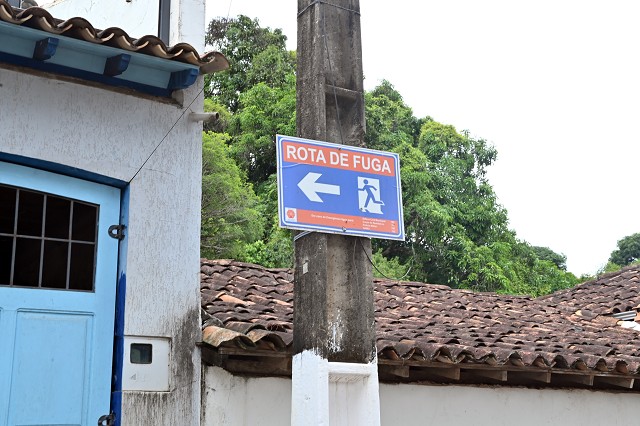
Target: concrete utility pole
(334, 330)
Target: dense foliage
(231, 212)
(628, 251)
(457, 231)
(545, 253)
(257, 55)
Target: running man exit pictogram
(369, 199)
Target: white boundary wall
(234, 400)
(239, 401)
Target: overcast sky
(553, 85)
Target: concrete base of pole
(334, 393)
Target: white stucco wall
(234, 400)
(188, 23)
(137, 17)
(112, 134)
(239, 401)
(497, 406)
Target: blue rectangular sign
(339, 189)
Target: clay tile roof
(426, 325)
(608, 294)
(81, 29)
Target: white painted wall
(188, 23)
(310, 389)
(112, 135)
(234, 401)
(137, 17)
(425, 405)
(467, 405)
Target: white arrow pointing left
(311, 188)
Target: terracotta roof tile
(81, 29)
(608, 294)
(426, 323)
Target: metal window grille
(46, 241)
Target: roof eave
(266, 363)
(33, 39)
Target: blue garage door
(58, 269)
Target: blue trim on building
(45, 48)
(83, 75)
(61, 169)
(182, 79)
(37, 49)
(121, 294)
(116, 65)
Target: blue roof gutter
(40, 50)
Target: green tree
(609, 267)
(390, 122)
(224, 117)
(458, 232)
(256, 100)
(231, 215)
(545, 253)
(263, 112)
(389, 268)
(452, 210)
(275, 249)
(255, 54)
(628, 251)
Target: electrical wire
(229, 9)
(379, 271)
(184, 110)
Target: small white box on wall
(146, 364)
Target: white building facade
(100, 190)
